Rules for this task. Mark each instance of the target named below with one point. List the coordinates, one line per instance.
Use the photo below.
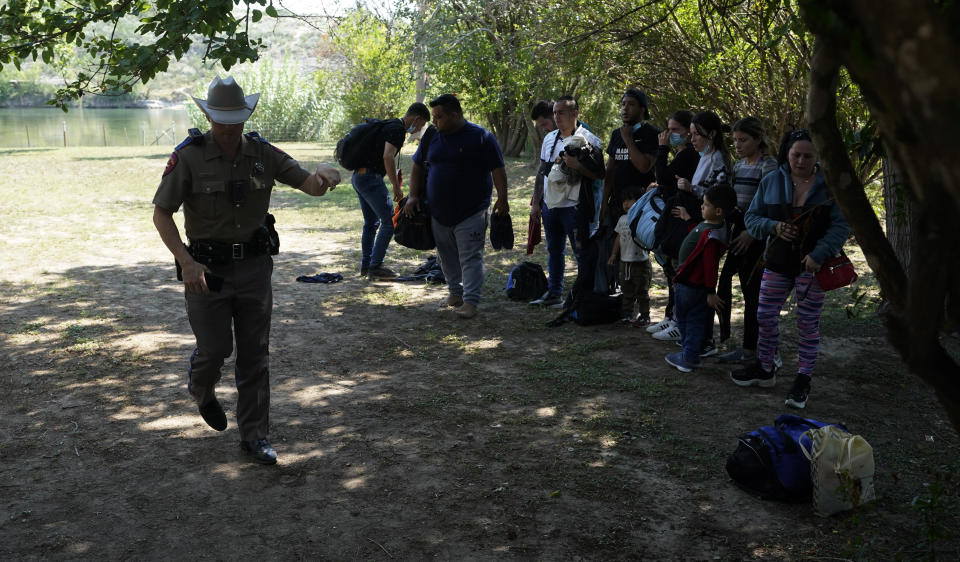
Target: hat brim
(229, 117)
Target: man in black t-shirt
(375, 202)
(633, 152)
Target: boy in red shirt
(696, 280)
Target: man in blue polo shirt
(465, 164)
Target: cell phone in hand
(214, 282)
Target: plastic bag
(841, 469)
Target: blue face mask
(676, 139)
(411, 129)
(704, 152)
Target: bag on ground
(591, 308)
(526, 282)
(841, 469)
(358, 146)
(769, 462)
(643, 217)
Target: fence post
(27, 130)
(143, 133)
(103, 129)
(64, 133)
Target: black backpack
(526, 282)
(591, 309)
(354, 150)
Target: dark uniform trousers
(244, 304)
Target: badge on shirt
(171, 164)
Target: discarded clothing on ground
(429, 272)
(321, 278)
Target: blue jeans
(559, 225)
(377, 208)
(460, 248)
(691, 311)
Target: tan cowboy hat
(225, 103)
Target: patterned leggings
(774, 290)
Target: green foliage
(56, 31)
(291, 108)
(377, 77)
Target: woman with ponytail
(713, 169)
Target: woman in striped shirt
(749, 141)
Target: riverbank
(30, 127)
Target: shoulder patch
(196, 137)
(171, 163)
(255, 137)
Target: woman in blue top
(795, 212)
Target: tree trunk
(896, 203)
(537, 136)
(419, 56)
(511, 132)
(903, 59)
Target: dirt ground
(405, 433)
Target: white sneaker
(660, 326)
(541, 300)
(670, 334)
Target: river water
(38, 126)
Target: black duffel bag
(416, 231)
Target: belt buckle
(237, 251)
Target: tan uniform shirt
(199, 176)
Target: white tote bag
(841, 469)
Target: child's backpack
(526, 282)
(769, 463)
(357, 147)
(643, 217)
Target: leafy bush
(376, 78)
(291, 108)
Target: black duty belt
(211, 252)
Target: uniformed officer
(223, 180)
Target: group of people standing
(768, 219)
(779, 209)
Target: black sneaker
(259, 451)
(364, 271)
(797, 397)
(754, 375)
(212, 413)
(380, 272)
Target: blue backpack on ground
(769, 464)
(643, 217)
(526, 282)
